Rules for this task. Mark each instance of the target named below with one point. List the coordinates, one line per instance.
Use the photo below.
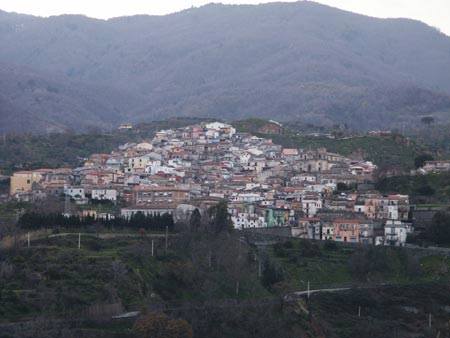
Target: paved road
(305, 293)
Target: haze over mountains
(286, 61)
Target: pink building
(346, 230)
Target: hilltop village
(314, 193)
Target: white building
(114, 163)
(144, 146)
(246, 220)
(327, 231)
(247, 197)
(244, 158)
(104, 195)
(304, 178)
(311, 205)
(75, 193)
(215, 129)
(148, 211)
(396, 232)
(140, 162)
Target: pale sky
(433, 12)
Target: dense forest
(276, 60)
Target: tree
(272, 274)
(439, 231)
(367, 262)
(152, 325)
(195, 220)
(428, 120)
(424, 190)
(420, 160)
(220, 220)
(158, 325)
(178, 328)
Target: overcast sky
(434, 12)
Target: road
(310, 292)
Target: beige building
(22, 181)
(151, 195)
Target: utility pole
(167, 237)
(237, 288)
(259, 268)
(209, 259)
(79, 240)
(153, 247)
(28, 239)
(308, 291)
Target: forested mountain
(33, 102)
(287, 61)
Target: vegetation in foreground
(205, 278)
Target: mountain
(34, 102)
(286, 61)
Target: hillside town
(316, 194)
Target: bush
(272, 274)
(330, 246)
(439, 231)
(280, 250)
(310, 249)
(368, 262)
(158, 325)
(420, 160)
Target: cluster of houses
(317, 194)
(433, 167)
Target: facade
(104, 195)
(436, 166)
(23, 181)
(396, 232)
(151, 195)
(346, 230)
(76, 193)
(245, 220)
(311, 204)
(155, 210)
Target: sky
(433, 12)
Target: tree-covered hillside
(288, 61)
(68, 149)
(216, 283)
(390, 151)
